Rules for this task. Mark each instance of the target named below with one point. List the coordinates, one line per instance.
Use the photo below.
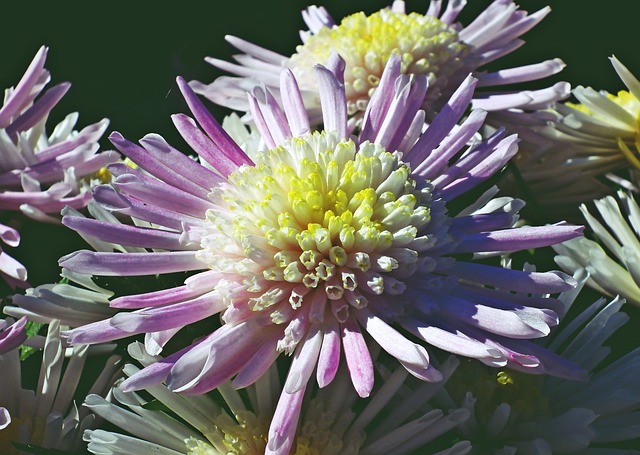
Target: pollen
(427, 46)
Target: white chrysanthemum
(564, 161)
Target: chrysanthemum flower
(431, 44)
(516, 413)
(306, 247)
(47, 417)
(592, 138)
(618, 230)
(41, 173)
(237, 422)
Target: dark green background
(122, 59)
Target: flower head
(432, 45)
(308, 246)
(41, 173)
(602, 130)
(580, 143)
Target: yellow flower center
(630, 104)
(427, 46)
(321, 222)
(244, 435)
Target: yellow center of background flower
(630, 140)
(427, 46)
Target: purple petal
(381, 99)
(433, 165)
(329, 358)
(275, 120)
(393, 341)
(130, 264)
(13, 336)
(292, 103)
(124, 234)
(170, 316)
(304, 360)
(155, 298)
(442, 125)
(524, 73)
(155, 373)
(202, 145)
(132, 182)
(257, 366)
(514, 280)
(113, 201)
(283, 426)
(358, 357)
(23, 93)
(519, 239)
(173, 175)
(463, 180)
(39, 110)
(213, 129)
(333, 101)
(94, 333)
(454, 342)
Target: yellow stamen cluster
(321, 222)
(244, 435)
(427, 46)
(629, 103)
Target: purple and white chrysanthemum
(433, 44)
(41, 173)
(514, 413)
(48, 417)
(322, 241)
